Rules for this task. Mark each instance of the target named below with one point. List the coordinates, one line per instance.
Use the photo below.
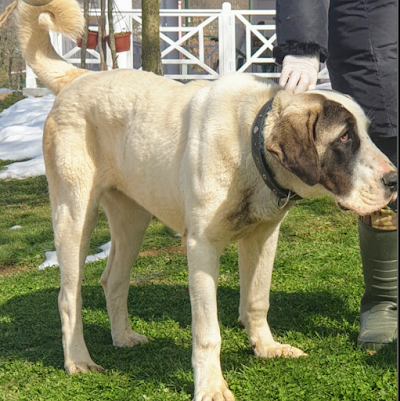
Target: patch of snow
(52, 261)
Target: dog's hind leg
(256, 259)
(74, 218)
(74, 194)
(128, 223)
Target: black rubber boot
(378, 314)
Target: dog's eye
(344, 137)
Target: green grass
(316, 288)
(10, 100)
(317, 285)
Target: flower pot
(91, 40)
(122, 41)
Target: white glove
(299, 73)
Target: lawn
(316, 289)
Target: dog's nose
(390, 181)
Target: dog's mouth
(341, 207)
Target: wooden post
(227, 50)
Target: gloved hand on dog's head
(299, 73)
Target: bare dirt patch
(154, 252)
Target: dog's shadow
(31, 328)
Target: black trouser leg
(363, 62)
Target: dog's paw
(82, 367)
(213, 387)
(130, 339)
(277, 350)
(218, 394)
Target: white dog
(217, 162)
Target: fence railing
(195, 44)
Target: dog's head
(322, 138)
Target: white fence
(195, 44)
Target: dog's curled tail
(34, 23)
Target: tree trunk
(85, 35)
(10, 66)
(111, 37)
(102, 34)
(151, 51)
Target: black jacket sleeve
(301, 28)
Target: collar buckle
(287, 200)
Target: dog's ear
(292, 142)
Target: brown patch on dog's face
(322, 138)
(292, 142)
(338, 160)
(316, 139)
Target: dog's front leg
(203, 259)
(256, 260)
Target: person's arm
(302, 41)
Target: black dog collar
(258, 152)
